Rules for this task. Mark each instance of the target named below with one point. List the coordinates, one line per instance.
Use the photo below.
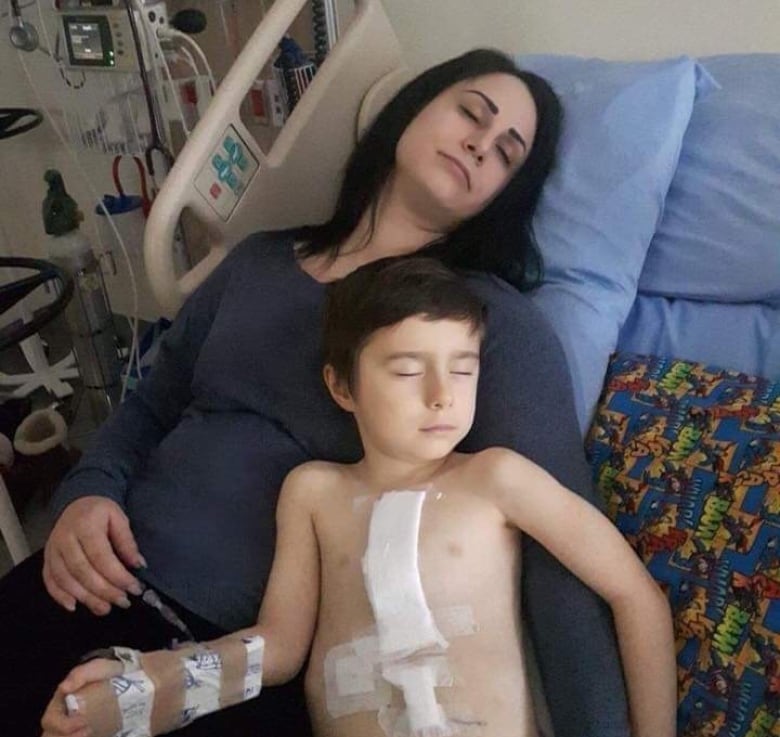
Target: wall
(630, 29)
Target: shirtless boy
(398, 575)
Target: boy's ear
(338, 389)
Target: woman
(178, 491)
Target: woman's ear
(338, 389)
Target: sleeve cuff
(85, 482)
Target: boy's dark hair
(498, 239)
(384, 293)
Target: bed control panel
(229, 170)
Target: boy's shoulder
(314, 477)
(497, 467)
(495, 458)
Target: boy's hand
(56, 721)
(88, 554)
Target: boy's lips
(463, 170)
(438, 428)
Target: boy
(397, 575)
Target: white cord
(173, 33)
(190, 59)
(174, 88)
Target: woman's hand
(88, 554)
(79, 683)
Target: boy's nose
(440, 395)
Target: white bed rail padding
(232, 186)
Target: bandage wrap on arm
(167, 689)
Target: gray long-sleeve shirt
(235, 400)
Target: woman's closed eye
(469, 113)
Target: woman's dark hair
(385, 292)
(499, 239)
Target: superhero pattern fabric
(687, 458)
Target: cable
(7, 13)
(173, 33)
(157, 142)
(175, 91)
(190, 59)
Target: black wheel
(16, 120)
(11, 294)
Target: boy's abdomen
(469, 570)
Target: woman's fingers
(80, 561)
(100, 669)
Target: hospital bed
(660, 230)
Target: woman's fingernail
(124, 602)
(142, 562)
(135, 588)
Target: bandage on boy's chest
(392, 576)
(408, 649)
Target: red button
(215, 191)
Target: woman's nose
(474, 148)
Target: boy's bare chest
(453, 548)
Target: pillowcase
(623, 129)
(688, 460)
(719, 238)
(745, 337)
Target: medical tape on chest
(392, 577)
(407, 649)
(353, 670)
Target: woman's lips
(463, 170)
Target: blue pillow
(744, 337)
(623, 129)
(719, 238)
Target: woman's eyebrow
(495, 110)
(491, 105)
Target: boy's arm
(525, 403)
(590, 546)
(276, 646)
(288, 614)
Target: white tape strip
(202, 684)
(130, 659)
(418, 683)
(135, 693)
(455, 621)
(253, 681)
(353, 681)
(404, 621)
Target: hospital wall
(613, 29)
(429, 30)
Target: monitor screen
(85, 41)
